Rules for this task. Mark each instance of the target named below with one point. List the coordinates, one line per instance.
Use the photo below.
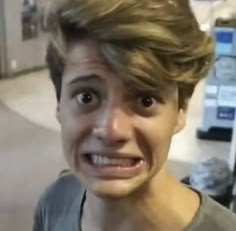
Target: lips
(111, 166)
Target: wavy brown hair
(152, 41)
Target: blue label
(225, 113)
(224, 37)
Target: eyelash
(156, 97)
(76, 92)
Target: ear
(181, 119)
(58, 113)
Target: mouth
(102, 161)
(112, 167)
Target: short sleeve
(42, 210)
(56, 202)
(39, 216)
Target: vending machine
(218, 113)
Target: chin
(113, 189)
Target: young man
(124, 71)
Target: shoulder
(56, 200)
(61, 193)
(215, 217)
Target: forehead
(85, 54)
(84, 58)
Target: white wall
(25, 54)
(201, 8)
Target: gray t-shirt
(60, 209)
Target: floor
(30, 147)
(30, 157)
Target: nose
(114, 126)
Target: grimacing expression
(115, 139)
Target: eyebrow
(85, 78)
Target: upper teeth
(102, 160)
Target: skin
(117, 121)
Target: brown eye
(87, 98)
(146, 101)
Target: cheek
(73, 123)
(74, 129)
(157, 134)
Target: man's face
(115, 139)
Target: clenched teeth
(107, 161)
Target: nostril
(111, 138)
(114, 128)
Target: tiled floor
(30, 149)
(33, 97)
(30, 158)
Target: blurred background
(30, 146)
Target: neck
(161, 206)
